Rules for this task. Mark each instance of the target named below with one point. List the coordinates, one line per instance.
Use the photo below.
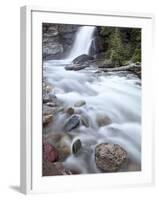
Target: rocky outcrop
(81, 62)
(57, 40)
(82, 59)
(110, 157)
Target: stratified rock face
(72, 122)
(57, 39)
(110, 157)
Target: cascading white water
(82, 42)
(114, 96)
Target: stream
(112, 95)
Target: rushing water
(82, 42)
(114, 96)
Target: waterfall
(115, 96)
(82, 42)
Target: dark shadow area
(15, 187)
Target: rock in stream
(110, 157)
(72, 122)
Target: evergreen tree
(117, 49)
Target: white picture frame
(31, 91)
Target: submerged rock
(79, 103)
(85, 121)
(70, 110)
(64, 147)
(52, 169)
(50, 153)
(103, 120)
(110, 157)
(72, 122)
(76, 146)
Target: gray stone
(64, 147)
(75, 67)
(82, 59)
(76, 146)
(70, 110)
(72, 123)
(85, 121)
(103, 120)
(110, 157)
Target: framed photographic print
(86, 99)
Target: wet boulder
(76, 146)
(69, 110)
(72, 123)
(85, 121)
(82, 59)
(75, 67)
(110, 157)
(64, 147)
(103, 120)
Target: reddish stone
(50, 153)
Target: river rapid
(115, 96)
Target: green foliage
(117, 49)
(137, 55)
(106, 31)
(123, 44)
